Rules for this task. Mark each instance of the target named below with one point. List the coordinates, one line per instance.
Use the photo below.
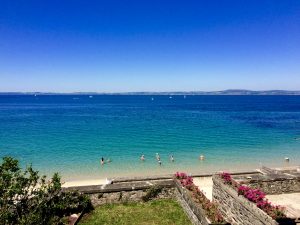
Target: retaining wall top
(123, 186)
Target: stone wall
(236, 209)
(195, 208)
(127, 196)
(125, 191)
(276, 186)
(192, 206)
(121, 186)
(187, 209)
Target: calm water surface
(69, 133)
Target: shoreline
(201, 169)
(102, 181)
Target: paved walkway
(205, 184)
(290, 201)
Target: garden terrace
(269, 189)
(236, 208)
(135, 190)
(164, 212)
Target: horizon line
(226, 91)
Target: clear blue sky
(116, 46)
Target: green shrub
(152, 193)
(27, 198)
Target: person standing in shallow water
(171, 158)
(102, 161)
(159, 162)
(142, 158)
(201, 157)
(157, 157)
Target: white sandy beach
(83, 182)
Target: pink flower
(258, 197)
(253, 195)
(226, 177)
(180, 176)
(210, 207)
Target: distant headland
(223, 92)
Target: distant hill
(224, 92)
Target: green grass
(162, 212)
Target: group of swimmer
(157, 156)
(102, 161)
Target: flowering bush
(277, 212)
(256, 196)
(242, 190)
(226, 177)
(253, 195)
(188, 182)
(185, 180)
(181, 175)
(264, 204)
(210, 208)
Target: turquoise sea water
(70, 133)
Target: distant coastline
(223, 92)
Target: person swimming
(108, 160)
(171, 158)
(102, 161)
(159, 162)
(201, 157)
(157, 157)
(142, 158)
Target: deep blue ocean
(70, 133)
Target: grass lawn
(165, 212)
